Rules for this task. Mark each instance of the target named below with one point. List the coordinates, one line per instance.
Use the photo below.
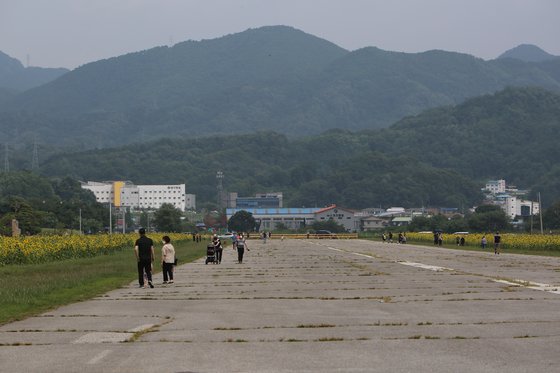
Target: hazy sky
(69, 33)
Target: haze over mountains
(279, 109)
(271, 78)
(14, 77)
(439, 157)
(528, 53)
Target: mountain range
(15, 78)
(528, 53)
(271, 78)
(439, 157)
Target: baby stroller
(210, 253)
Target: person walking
(167, 260)
(241, 245)
(483, 242)
(144, 251)
(218, 248)
(497, 241)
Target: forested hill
(271, 78)
(14, 77)
(440, 157)
(528, 53)
(512, 134)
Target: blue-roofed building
(293, 218)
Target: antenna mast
(220, 178)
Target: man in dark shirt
(497, 241)
(144, 251)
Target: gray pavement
(311, 306)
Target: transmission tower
(35, 159)
(6, 158)
(220, 178)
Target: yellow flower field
(514, 241)
(37, 249)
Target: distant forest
(441, 157)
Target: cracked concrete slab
(311, 306)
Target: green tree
(488, 218)
(18, 208)
(420, 223)
(551, 216)
(329, 225)
(168, 218)
(242, 221)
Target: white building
(496, 186)
(514, 207)
(126, 194)
(103, 191)
(345, 217)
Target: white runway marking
(425, 266)
(141, 328)
(520, 283)
(530, 285)
(99, 357)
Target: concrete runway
(311, 306)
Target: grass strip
(30, 289)
(467, 247)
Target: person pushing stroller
(217, 248)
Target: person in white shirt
(241, 245)
(167, 260)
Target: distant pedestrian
(497, 241)
(440, 239)
(390, 237)
(404, 238)
(167, 260)
(400, 237)
(483, 242)
(144, 251)
(241, 246)
(384, 237)
(218, 248)
(436, 238)
(457, 240)
(462, 241)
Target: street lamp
(110, 218)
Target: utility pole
(110, 218)
(540, 212)
(531, 219)
(80, 220)
(123, 221)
